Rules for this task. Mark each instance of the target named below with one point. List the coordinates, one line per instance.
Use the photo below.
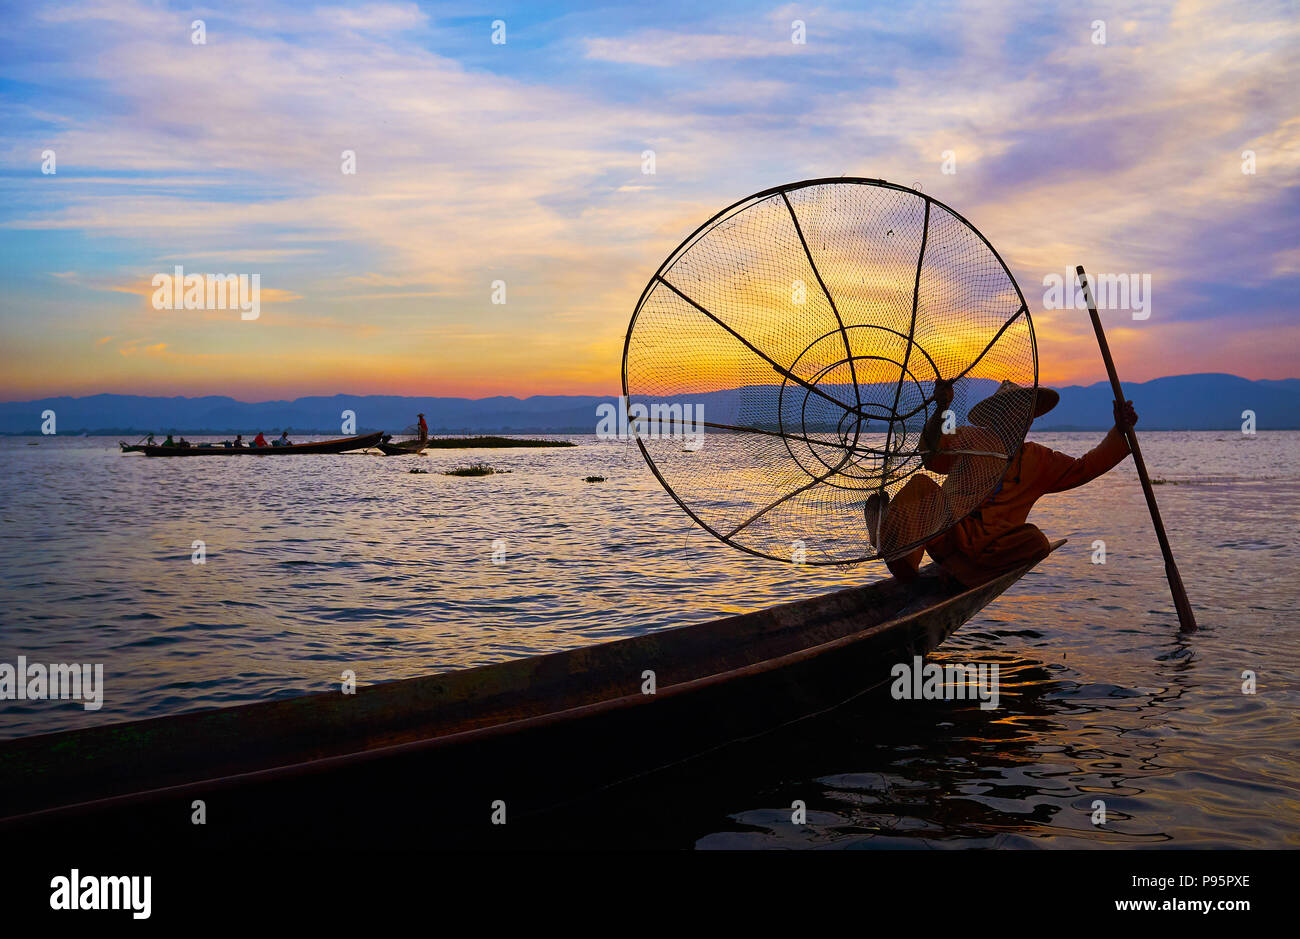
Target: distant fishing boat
(339, 445)
(390, 447)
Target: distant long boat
(339, 445)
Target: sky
(522, 162)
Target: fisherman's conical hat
(1011, 397)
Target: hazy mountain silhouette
(1210, 401)
(1182, 402)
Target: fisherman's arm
(1070, 472)
(933, 440)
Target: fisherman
(423, 429)
(169, 442)
(259, 440)
(283, 441)
(239, 442)
(993, 537)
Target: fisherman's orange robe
(995, 537)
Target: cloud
(373, 17)
(136, 347)
(145, 288)
(664, 48)
(526, 166)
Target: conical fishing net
(781, 364)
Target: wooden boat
(339, 445)
(423, 755)
(402, 447)
(131, 447)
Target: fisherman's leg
(1024, 544)
(913, 513)
(905, 568)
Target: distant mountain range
(1211, 401)
(1180, 402)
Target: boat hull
(403, 448)
(433, 754)
(338, 445)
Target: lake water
(319, 564)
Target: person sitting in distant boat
(259, 440)
(239, 442)
(423, 428)
(169, 442)
(183, 443)
(993, 537)
(283, 441)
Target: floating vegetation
(594, 479)
(464, 443)
(418, 471)
(474, 469)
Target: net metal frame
(823, 432)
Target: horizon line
(615, 394)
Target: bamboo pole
(1186, 620)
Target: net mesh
(780, 368)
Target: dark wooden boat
(424, 755)
(339, 445)
(402, 447)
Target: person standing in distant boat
(259, 440)
(423, 429)
(995, 537)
